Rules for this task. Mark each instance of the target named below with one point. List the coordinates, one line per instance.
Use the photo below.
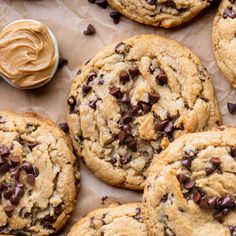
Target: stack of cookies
(142, 115)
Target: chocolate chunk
(115, 91)
(115, 15)
(124, 77)
(215, 161)
(134, 72)
(62, 62)
(125, 98)
(122, 48)
(151, 2)
(122, 136)
(8, 210)
(169, 3)
(90, 30)
(183, 179)
(93, 104)
(204, 202)
(197, 197)
(161, 79)
(228, 12)
(4, 168)
(27, 167)
(31, 179)
(132, 145)
(169, 129)
(4, 151)
(126, 118)
(101, 3)
(161, 125)
(125, 160)
(86, 89)
(64, 126)
(153, 97)
(189, 185)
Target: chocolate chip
(169, 129)
(15, 172)
(90, 30)
(31, 179)
(125, 98)
(101, 80)
(93, 104)
(233, 151)
(2, 161)
(2, 187)
(79, 71)
(7, 194)
(35, 171)
(232, 230)
(122, 48)
(153, 97)
(145, 107)
(125, 160)
(59, 209)
(127, 129)
(228, 12)
(8, 210)
(91, 77)
(72, 102)
(124, 77)
(115, 91)
(161, 125)
(115, 16)
(126, 118)
(161, 79)
(113, 160)
(132, 146)
(218, 216)
(86, 89)
(91, 1)
(101, 3)
(134, 109)
(4, 151)
(189, 185)
(31, 146)
(169, 3)
(204, 202)
(227, 202)
(212, 202)
(64, 126)
(62, 62)
(197, 197)
(137, 216)
(122, 136)
(215, 161)
(187, 162)
(27, 167)
(209, 170)
(151, 2)
(4, 168)
(183, 179)
(134, 72)
(104, 198)
(15, 160)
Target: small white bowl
(56, 50)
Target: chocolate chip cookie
(124, 220)
(224, 39)
(38, 175)
(191, 189)
(134, 98)
(164, 13)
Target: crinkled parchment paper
(68, 19)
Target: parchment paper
(68, 19)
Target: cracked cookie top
(134, 98)
(191, 189)
(164, 13)
(124, 220)
(224, 39)
(38, 175)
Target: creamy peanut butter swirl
(28, 55)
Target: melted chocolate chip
(115, 15)
(64, 126)
(90, 30)
(228, 12)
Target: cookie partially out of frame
(224, 40)
(191, 189)
(38, 175)
(124, 220)
(164, 13)
(134, 98)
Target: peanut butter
(28, 54)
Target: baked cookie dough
(124, 220)
(131, 100)
(224, 39)
(38, 175)
(191, 189)
(164, 13)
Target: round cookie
(38, 175)
(131, 100)
(191, 189)
(167, 13)
(224, 40)
(124, 220)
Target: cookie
(223, 39)
(124, 220)
(38, 175)
(167, 13)
(131, 100)
(191, 189)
